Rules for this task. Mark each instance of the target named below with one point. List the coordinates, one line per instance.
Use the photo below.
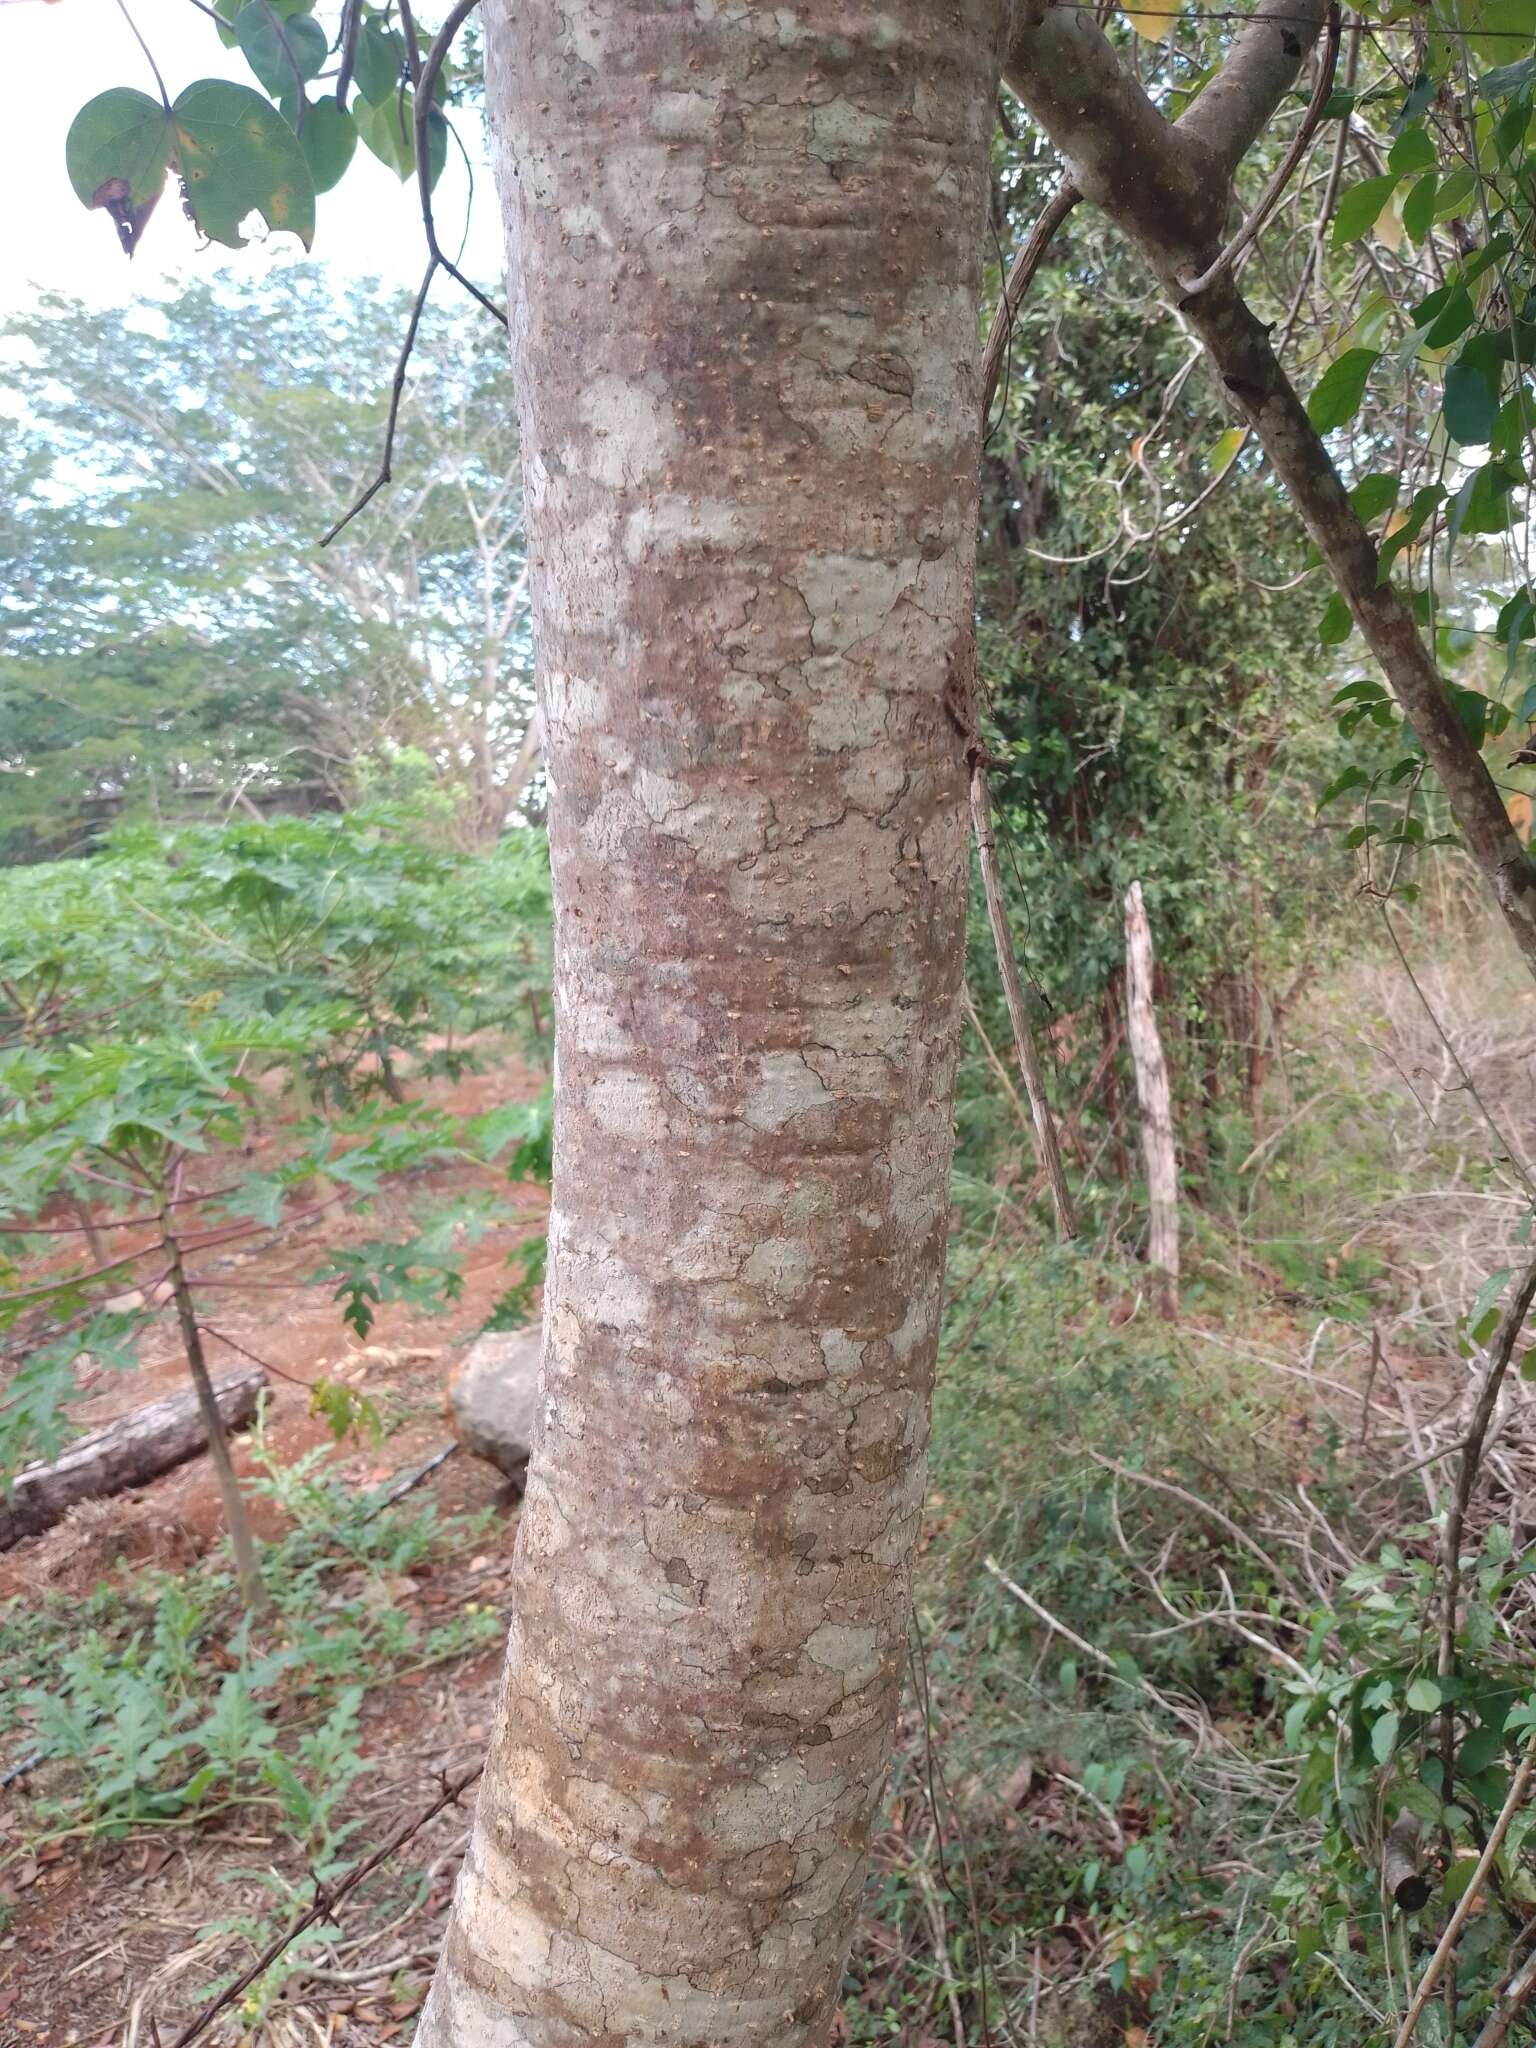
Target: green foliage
(514, 1308)
(138, 1072)
(175, 645)
(235, 151)
(154, 1703)
(1184, 1818)
(1151, 706)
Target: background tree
(174, 634)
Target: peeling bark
(744, 248)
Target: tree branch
(392, 422)
(1230, 114)
(1023, 1040)
(442, 42)
(327, 1898)
(1464, 1905)
(1285, 171)
(1021, 274)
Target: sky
(56, 57)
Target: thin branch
(346, 43)
(1446, 1946)
(1204, 1507)
(1021, 274)
(1498, 2023)
(396, 393)
(441, 44)
(1023, 1040)
(425, 76)
(301, 104)
(1507, 1335)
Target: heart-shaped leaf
(281, 53)
(237, 155)
(389, 131)
(117, 150)
(328, 138)
(379, 63)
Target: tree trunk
(136, 1448)
(743, 252)
(1155, 1100)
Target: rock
(494, 1396)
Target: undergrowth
(1176, 1662)
(156, 1702)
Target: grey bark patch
(495, 1397)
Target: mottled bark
(744, 247)
(1168, 187)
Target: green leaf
(1445, 316)
(385, 127)
(1412, 151)
(380, 61)
(1351, 778)
(1384, 1736)
(328, 139)
(1482, 505)
(1424, 1696)
(281, 53)
(1454, 193)
(1360, 208)
(394, 144)
(1225, 448)
(1487, 1295)
(1336, 624)
(1508, 79)
(1337, 393)
(1471, 402)
(237, 155)
(1373, 495)
(1419, 207)
(116, 153)
(1422, 504)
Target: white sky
(54, 58)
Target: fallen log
(138, 1447)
